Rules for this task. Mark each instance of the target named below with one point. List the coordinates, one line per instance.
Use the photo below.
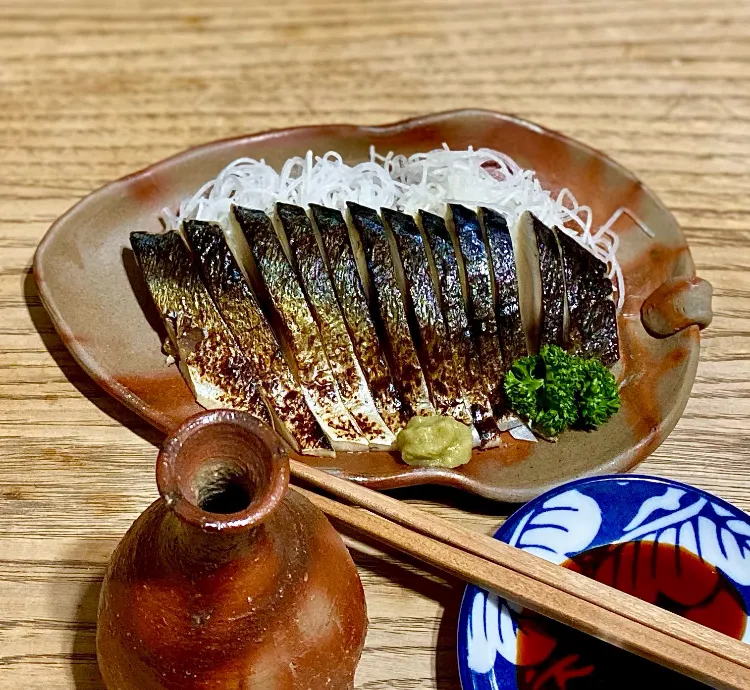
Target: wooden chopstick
(615, 617)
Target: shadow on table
(452, 497)
(73, 371)
(83, 663)
(412, 575)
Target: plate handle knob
(677, 304)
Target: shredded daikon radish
(423, 181)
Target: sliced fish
(241, 312)
(208, 356)
(317, 284)
(300, 330)
(552, 327)
(592, 311)
(436, 358)
(526, 253)
(347, 284)
(481, 309)
(507, 302)
(465, 355)
(389, 304)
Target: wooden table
(90, 91)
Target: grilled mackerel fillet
(436, 359)
(241, 312)
(553, 286)
(465, 355)
(351, 296)
(389, 304)
(317, 284)
(507, 301)
(481, 307)
(592, 312)
(301, 332)
(209, 358)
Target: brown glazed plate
(89, 283)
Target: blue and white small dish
(669, 543)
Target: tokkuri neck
(221, 475)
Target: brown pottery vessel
(229, 581)
(99, 303)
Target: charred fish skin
(302, 333)
(242, 314)
(334, 233)
(316, 282)
(481, 308)
(209, 358)
(436, 359)
(505, 276)
(593, 313)
(553, 286)
(465, 355)
(390, 306)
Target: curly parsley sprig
(555, 391)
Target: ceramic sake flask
(229, 581)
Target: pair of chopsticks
(563, 595)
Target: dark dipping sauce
(552, 656)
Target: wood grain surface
(90, 91)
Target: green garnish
(521, 385)
(555, 390)
(598, 397)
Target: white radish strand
(422, 181)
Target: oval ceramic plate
(90, 285)
(628, 528)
